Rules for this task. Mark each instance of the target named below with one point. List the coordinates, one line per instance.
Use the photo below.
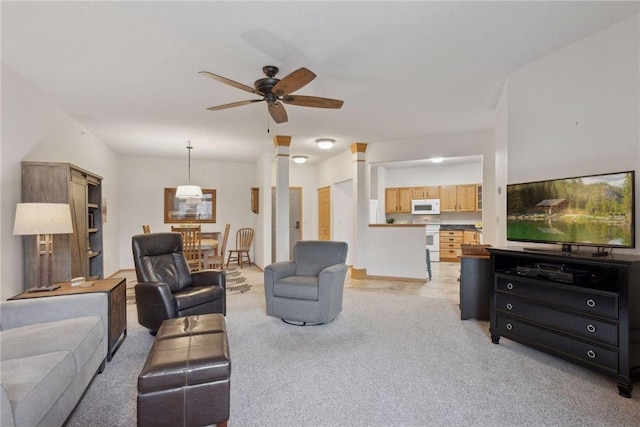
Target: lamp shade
(189, 192)
(42, 218)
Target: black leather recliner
(166, 287)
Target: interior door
(324, 213)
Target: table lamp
(43, 220)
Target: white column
(282, 144)
(360, 210)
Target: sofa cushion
(80, 336)
(34, 383)
(298, 287)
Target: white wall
(434, 175)
(576, 111)
(262, 221)
(142, 183)
(35, 129)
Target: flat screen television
(593, 210)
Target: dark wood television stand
(590, 317)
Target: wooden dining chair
(192, 245)
(217, 261)
(244, 237)
(146, 229)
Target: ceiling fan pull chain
(268, 122)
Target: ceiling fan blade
(229, 82)
(293, 81)
(312, 101)
(278, 112)
(233, 104)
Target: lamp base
(43, 288)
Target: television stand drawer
(562, 345)
(589, 301)
(586, 327)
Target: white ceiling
(128, 71)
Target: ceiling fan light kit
(325, 143)
(300, 159)
(276, 91)
(189, 191)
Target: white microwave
(425, 206)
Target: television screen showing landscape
(593, 210)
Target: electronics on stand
(555, 272)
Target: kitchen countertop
(396, 225)
(469, 227)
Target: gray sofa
(50, 350)
(307, 289)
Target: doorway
(324, 213)
(295, 219)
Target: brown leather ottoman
(186, 379)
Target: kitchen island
(397, 252)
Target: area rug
(237, 283)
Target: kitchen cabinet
(478, 197)
(470, 237)
(397, 200)
(458, 198)
(450, 241)
(77, 254)
(432, 192)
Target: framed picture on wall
(189, 210)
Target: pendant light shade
(189, 191)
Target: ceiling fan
(277, 91)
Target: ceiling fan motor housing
(265, 85)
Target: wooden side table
(115, 288)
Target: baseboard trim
(398, 279)
(358, 273)
(119, 272)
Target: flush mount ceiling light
(300, 159)
(189, 191)
(437, 160)
(325, 143)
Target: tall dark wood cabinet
(581, 308)
(77, 254)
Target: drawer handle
(509, 306)
(591, 303)
(509, 326)
(510, 286)
(591, 328)
(591, 354)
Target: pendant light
(189, 191)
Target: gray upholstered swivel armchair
(307, 289)
(166, 288)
